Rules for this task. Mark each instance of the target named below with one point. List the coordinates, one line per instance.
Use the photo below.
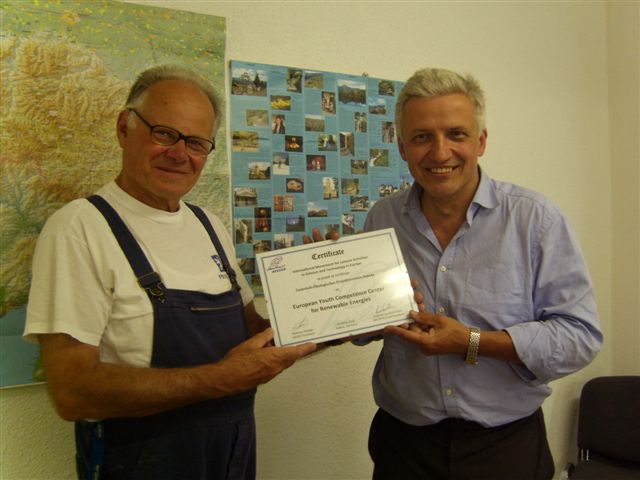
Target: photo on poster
(283, 203)
(406, 180)
(249, 81)
(329, 102)
(378, 157)
(327, 142)
(281, 163)
(262, 212)
(278, 125)
(244, 230)
(263, 225)
(314, 123)
(317, 209)
(386, 87)
(280, 102)
(261, 246)
(293, 143)
(386, 189)
(359, 203)
(348, 224)
(313, 79)
(294, 80)
(283, 240)
(350, 186)
(378, 106)
(295, 223)
(352, 93)
(244, 141)
(259, 171)
(388, 132)
(247, 265)
(347, 144)
(295, 185)
(257, 118)
(359, 167)
(316, 163)
(245, 197)
(360, 122)
(329, 188)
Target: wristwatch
(474, 343)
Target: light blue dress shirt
(514, 265)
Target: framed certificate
(336, 288)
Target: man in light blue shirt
(509, 303)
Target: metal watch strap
(474, 344)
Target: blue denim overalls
(209, 440)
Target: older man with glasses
(149, 335)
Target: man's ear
(483, 142)
(401, 149)
(121, 127)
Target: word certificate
(336, 288)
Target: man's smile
(171, 170)
(441, 170)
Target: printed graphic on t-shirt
(218, 262)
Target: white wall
(624, 99)
(546, 68)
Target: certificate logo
(276, 264)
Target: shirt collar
(412, 200)
(485, 196)
(486, 193)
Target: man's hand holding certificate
(333, 289)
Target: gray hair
(160, 73)
(435, 82)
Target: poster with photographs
(308, 149)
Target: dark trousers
(212, 440)
(456, 449)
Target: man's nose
(441, 150)
(178, 151)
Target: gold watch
(474, 344)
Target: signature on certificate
(383, 307)
(300, 325)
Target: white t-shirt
(83, 285)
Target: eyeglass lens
(168, 136)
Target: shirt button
(443, 268)
(449, 392)
(441, 310)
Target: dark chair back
(609, 418)
(609, 430)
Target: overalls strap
(148, 279)
(223, 256)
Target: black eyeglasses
(168, 136)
